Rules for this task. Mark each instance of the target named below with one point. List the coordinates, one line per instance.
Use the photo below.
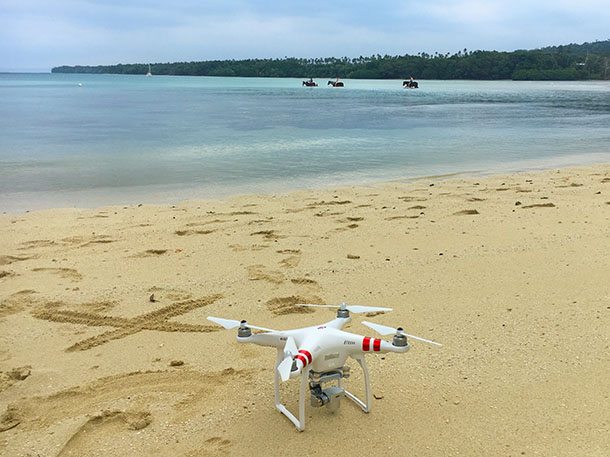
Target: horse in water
(335, 83)
(310, 83)
(410, 84)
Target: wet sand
(105, 349)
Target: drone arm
(386, 347)
(376, 345)
(339, 322)
(263, 339)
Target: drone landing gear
(320, 397)
(366, 406)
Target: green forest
(567, 62)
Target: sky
(36, 35)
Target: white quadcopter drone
(319, 353)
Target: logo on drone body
(334, 355)
(348, 342)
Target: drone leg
(366, 407)
(300, 422)
(302, 389)
(280, 355)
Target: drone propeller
(385, 330)
(232, 323)
(285, 366)
(351, 308)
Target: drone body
(318, 354)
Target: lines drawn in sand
(158, 320)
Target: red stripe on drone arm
(302, 358)
(366, 344)
(376, 345)
(306, 354)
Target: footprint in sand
(16, 302)
(213, 447)
(408, 198)
(83, 241)
(86, 439)
(66, 273)
(253, 247)
(7, 379)
(199, 224)
(287, 305)
(326, 213)
(391, 218)
(304, 282)
(329, 203)
(10, 418)
(539, 205)
(100, 239)
(466, 212)
(151, 253)
(291, 261)
(6, 274)
(188, 232)
(8, 259)
(237, 213)
(36, 244)
(267, 234)
(574, 184)
(261, 273)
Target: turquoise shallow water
(88, 140)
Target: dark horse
(410, 84)
(310, 83)
(335, 83)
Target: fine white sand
(511, 273)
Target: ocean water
(89, 140)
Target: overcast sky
(36, 35)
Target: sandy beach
(105, 349)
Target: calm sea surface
(88, 140)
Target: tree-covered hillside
(566, 62)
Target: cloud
(36, 33)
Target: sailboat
(149, 72)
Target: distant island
(587, 61)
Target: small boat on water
(149, 72)
(335, 83)
(310, 83)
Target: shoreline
(106, 349)
(97, 199)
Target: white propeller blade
(385, 330)
(422, 339)
(367, 309)
(285, 367)
(381, 329)
(226, 323)
(232, 323)
(290, 347)
(351, 308)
